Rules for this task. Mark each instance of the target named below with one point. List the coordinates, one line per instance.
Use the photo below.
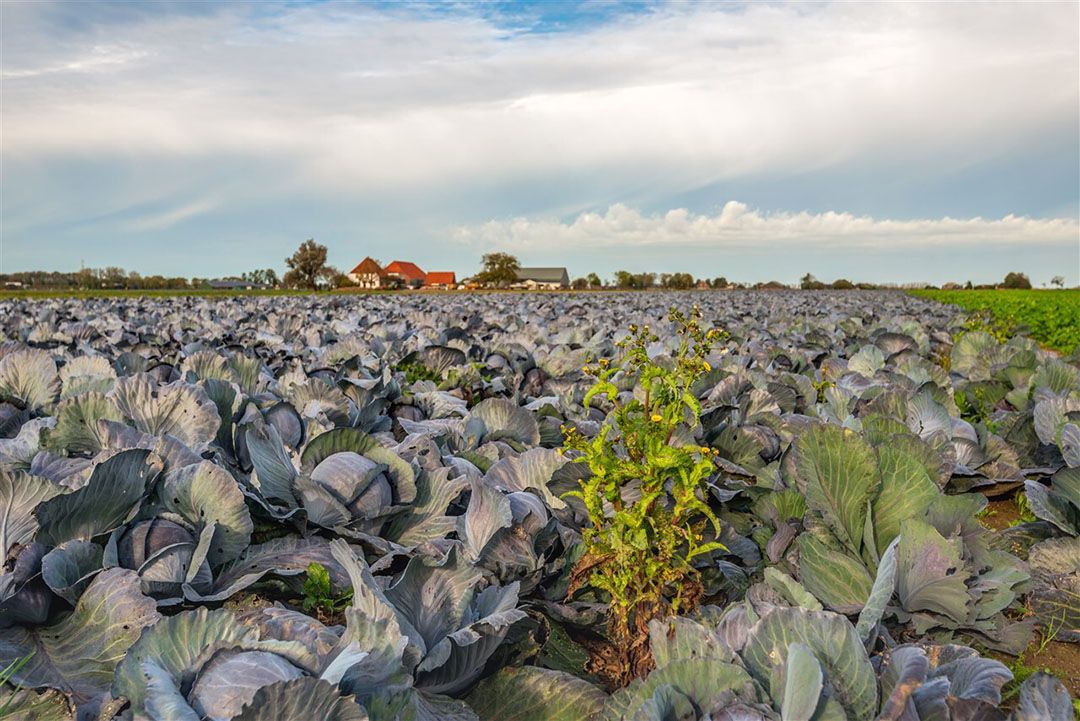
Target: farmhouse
(368, 274)
(547, 278)
(440, 279)
(406, 273)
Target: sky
(885, 142)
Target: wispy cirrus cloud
(161, 220)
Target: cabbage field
(362, 507)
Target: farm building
(408, 274)
(368, 274)
(440, 279)
(547, 278)
(235, 284)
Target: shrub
(640, 544)
(1016, 281)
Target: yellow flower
(657, 418)
(706, 364)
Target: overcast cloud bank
(152, 136)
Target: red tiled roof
(366, 266)
(439, 277)
(408, 271)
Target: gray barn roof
(544, 275)
(229, 284)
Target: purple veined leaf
(109, 499)
(77, 423)
(178, 409)
(487, 513)
(229, 680)
(839, 472)
(84, 374)
(533, 470)
(70, 567)
(79, 654)
(707, 683)
(495, 419)
(163, 553)
(205, 493)
(1043, 697)
(287, 556)
(930, 574)
(529, 693)
(20, 494)
(24, 596)
(299, 700)
(832, 640)
(174, 645)
(29, 379)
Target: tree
(336, 279)
(720, 282)
(1058, 281)
(113, 277)
(580, 284)
(682, 281)
(842, 284)
(1016, 280)
(624, 279)
(594, 280)
(499, 269)
(307, 266)
(265, 276)
(809, 282)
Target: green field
(1051, 317)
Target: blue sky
(886, 142)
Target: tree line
(116, 278)
(308, 269)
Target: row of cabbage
(170, 468)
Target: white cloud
(356, 100)
(168, 218)
(737, 227)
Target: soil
(1000, 514)
(1060, 659)
(604, 662)
(247, 602)
(1063, 659)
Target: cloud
(386, 124)
(358, 99)
(168, 218)
(737, 227)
